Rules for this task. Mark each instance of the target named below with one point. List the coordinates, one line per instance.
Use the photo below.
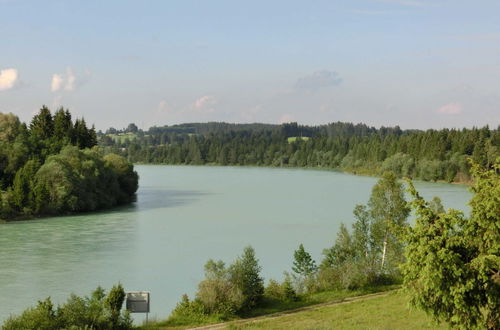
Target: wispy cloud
(57, 82)
(8, 79)
(453, 108)
(66, 81)
(317, 80)
(205, 103)
(164, 107)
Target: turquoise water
(183, 216)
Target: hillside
(429, 155)
(378, 311)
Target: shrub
(217, 293)
(188, 312)
(281, 292)
(96, 312)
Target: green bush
(281, 291)
(99, 311)
(191, 312)
(217, 293)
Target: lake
(184, 215)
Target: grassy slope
(271, 307)
(382, 312)
(329, 310)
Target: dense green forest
(429, 155)
(53, 166)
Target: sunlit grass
(295, 138)
(382, 312)
(272, 306)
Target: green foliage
(281, 291)
(436, 205)
(41, 317)
(49, 169)
(226, 291)
(389, 211)
(188, 312)
(304, 270)
(453, 262)
(427, 155)
(96, 312)
(401, 164)
(303, 264)
(245, 275)
(372, 253)
(217, 293)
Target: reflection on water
(183, 216)
(153, 198)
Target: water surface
(184, 216)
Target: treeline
(52, 166)
(429, 155)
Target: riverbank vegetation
(449, 264)
(363, 259)
(99, 311)
(53, 166)
(452, 268)
(429, 155)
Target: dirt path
(292, 311)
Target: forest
(53, 166)
(430, 155)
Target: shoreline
(324, 169)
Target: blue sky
(413, 63)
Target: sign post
(138, 302)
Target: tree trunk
(384, 251)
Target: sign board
(138, 301)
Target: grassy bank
(381, 312)
(269, 307)
(387, 311)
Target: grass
(121, 137)
(382, 312)
(295, 138)
(274, 306)
(270, 306)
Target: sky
(413, 63)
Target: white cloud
(450, 109)
(57, 82)
(205, 103)
(8, 79)
(66, 82)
